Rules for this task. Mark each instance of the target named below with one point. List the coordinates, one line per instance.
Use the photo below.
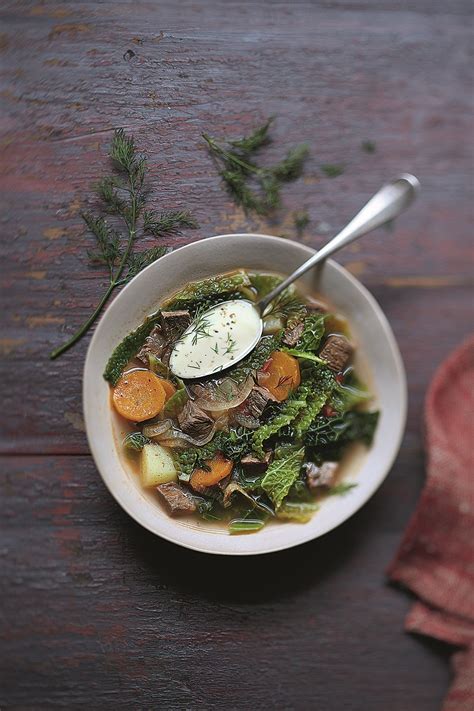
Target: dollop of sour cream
(217, 339)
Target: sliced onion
(222, 420)
(174, 443)
(233, 487)
(177, 438)
(157, 428)
(222, 394)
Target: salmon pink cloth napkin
(436, 557)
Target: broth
(350, 461)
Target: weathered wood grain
(100, 613)
(97, 612)
(428, 323)
(404, 87)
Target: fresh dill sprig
(114, 202)
(123, 195)
(137, 262)
(256, 188)
(108, 247)
(332, 170)
(291, 167)
(301, 220)
(242, 194)
(368, 146)
(257, 139)
(168, 221)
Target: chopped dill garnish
(284, 380)
(230, 344)
(199, 327)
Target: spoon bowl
(209, 345)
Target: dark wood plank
(100, 613)
(52, 423)
(63, 82)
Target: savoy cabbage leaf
(329, 435)
(207, 292)
(348, 395)
(282, 473)
(312, 334)
(286, 412)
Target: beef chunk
(257, 400)
(194, 421)
(293, 335)
(336, 352)
(174, 323)
(155, 344)
(248, 413)
(321, 477)
(176, 500)
(165, 358)
(256, 465)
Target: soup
(260, 440)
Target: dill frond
(137, 262)
(368, 146)
(291, 167)
(301, 220)
(167, 221)
(123, 196)
(332, 170)
(256, 188)
(108, 240)
(257, 139)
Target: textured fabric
(436, 557)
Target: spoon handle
(384, 206)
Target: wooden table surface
(98, 613)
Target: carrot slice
(138, 395)
(281, 376)
(168, 387)
(219, 468)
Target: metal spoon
(385, 205)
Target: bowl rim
(396, 442)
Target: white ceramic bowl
(377, 352)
